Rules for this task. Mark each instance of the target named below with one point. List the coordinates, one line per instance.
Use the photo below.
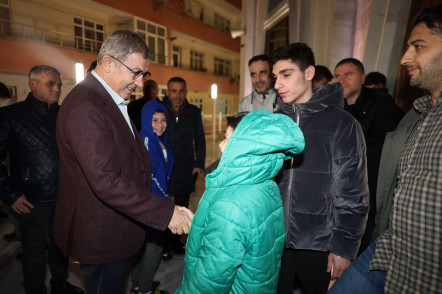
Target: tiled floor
(169, 273)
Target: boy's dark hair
(322, 72)
(432, 17)
(354, 61)
(177, 80)
(375, 78)
(298, 53)
(261, 57)
(4, 93)
(233, 121)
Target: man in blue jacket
(324, 189)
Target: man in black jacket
(186, 140)
(27, 131)
(377, 113)
(188, 145)
(324, 189)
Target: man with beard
(263, 95)
(407, 257)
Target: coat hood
(331, 95)
(256, 150)
(146, 119)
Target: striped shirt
(410, 249)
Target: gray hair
(36, 71)
(122, 43)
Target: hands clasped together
(181, 220)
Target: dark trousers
(308, 268)
(182, 200)
(105, 278)
(36, 234)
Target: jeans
(36, 234)
(357, 278)
(147, 260)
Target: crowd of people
(324, 183)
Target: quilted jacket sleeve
(351, 201)
(7, 192)
(213, 267)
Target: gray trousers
(146, 261)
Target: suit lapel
(115, 114)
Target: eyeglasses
(137, 74)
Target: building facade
(189, 38)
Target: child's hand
(189, 213)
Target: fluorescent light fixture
(79, 72)
(214, 91)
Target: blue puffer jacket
(237, 235)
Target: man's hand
(186, 210)
(199, 171)
(337, 265)
(22, 205)
(180, 222)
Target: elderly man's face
(423, 59)
(47, 88)
(122, 79)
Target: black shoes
(66, 288)
(11, 237)
(167, 254)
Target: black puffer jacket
(377, 113)
(188, 145)
(324, 189)
(27, 132)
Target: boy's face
(159, 123)
(293, 85)
(228, 134)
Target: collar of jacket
(323, 97)
(42, 107)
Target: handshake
(181, 220)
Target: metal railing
(54, 37)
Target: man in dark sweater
(377, 113)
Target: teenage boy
(324, 189)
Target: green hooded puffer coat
(237, 235)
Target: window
(198, 102)
(196, 61)
(222, 23)
(176, 56)
(222, 67)
(5, 18)
(155, 37)
(89, 35)
(222, 106)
